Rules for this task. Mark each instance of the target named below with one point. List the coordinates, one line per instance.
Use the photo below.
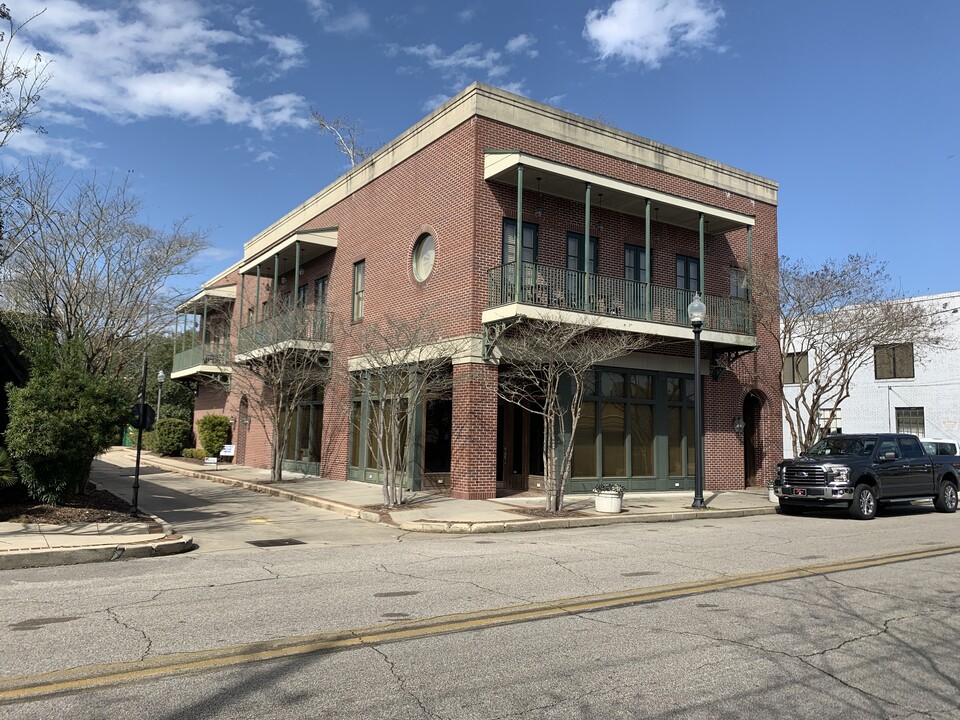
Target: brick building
(428, 228)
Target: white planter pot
(771, 495)
(608, 502)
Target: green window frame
(530, 240)
(359, 282)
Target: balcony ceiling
(212, 297)
(569, 183)
(313, 244)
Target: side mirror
(888, 456)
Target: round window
(424, 253)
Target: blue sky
(851, 105)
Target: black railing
(555, 287)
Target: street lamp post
(697, 311)
(160, 378)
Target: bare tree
(346, 133)
(280, 360)
(829, 319)
(91, 269)
(544, 365)
(402, 366)
(23, 77)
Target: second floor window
(529, 250)
(320, 292)
(575, 253)
(795, 369)
(359, 273)
(688, 273)
(634, 263)
(893, 361)
(738, 284)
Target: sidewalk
(423, 512)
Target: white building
(902, 388)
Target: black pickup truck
(861, 471)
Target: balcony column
(585, 253)
(203, 328)
(256, 299)
(702, 291)
(518, 240)
(648, 291)
(296, 272)
(276, 281)
(749, 262)
(240, 321)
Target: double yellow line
(92, 676)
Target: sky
(852, 106)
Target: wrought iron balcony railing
(556, 287)
(288, 325)
(210, 353)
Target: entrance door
(751, 440)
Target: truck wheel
(864, 505)
(946, 500)
(788, 508)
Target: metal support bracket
(721, 360)
(492, 332)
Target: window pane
(355, 439)
(290, 452)
(903, 360)
(883, 362)
(584, 442)
(674, 442)
(641, 386)
(641, 440)
(316, 432)
(613, 384)
(673, 389)
(359, 272)
(910, 420)
(614, 439)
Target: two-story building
(608, 227)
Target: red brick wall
(441, 190)
(473, 470)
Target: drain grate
(276, 543)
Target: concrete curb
(49, 557)
(463, 528)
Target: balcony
(550, 291)
(290, 328)
(210, 358)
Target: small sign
(142, 411)
(228, 451)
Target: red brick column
(473, 466)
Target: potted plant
(608, 497)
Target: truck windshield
(862, 447)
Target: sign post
(142, 415)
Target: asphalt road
(751, 617)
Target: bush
(214, 432)
(148, 440)
(7, 476)
(195, 453)
(59, 422)
(171, 436)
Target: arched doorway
(244, 425)
(752, 440)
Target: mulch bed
(93, 506)
(544, 513)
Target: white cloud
(433, 102)
(522, 43)
(467, 14)
(648, 31)
(147, 60)
(354, 20)
(462, 64)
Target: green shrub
(59, 422)
(214, 431)
(148, 441)
(171, 436)
(7, 476)
(195, 453)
